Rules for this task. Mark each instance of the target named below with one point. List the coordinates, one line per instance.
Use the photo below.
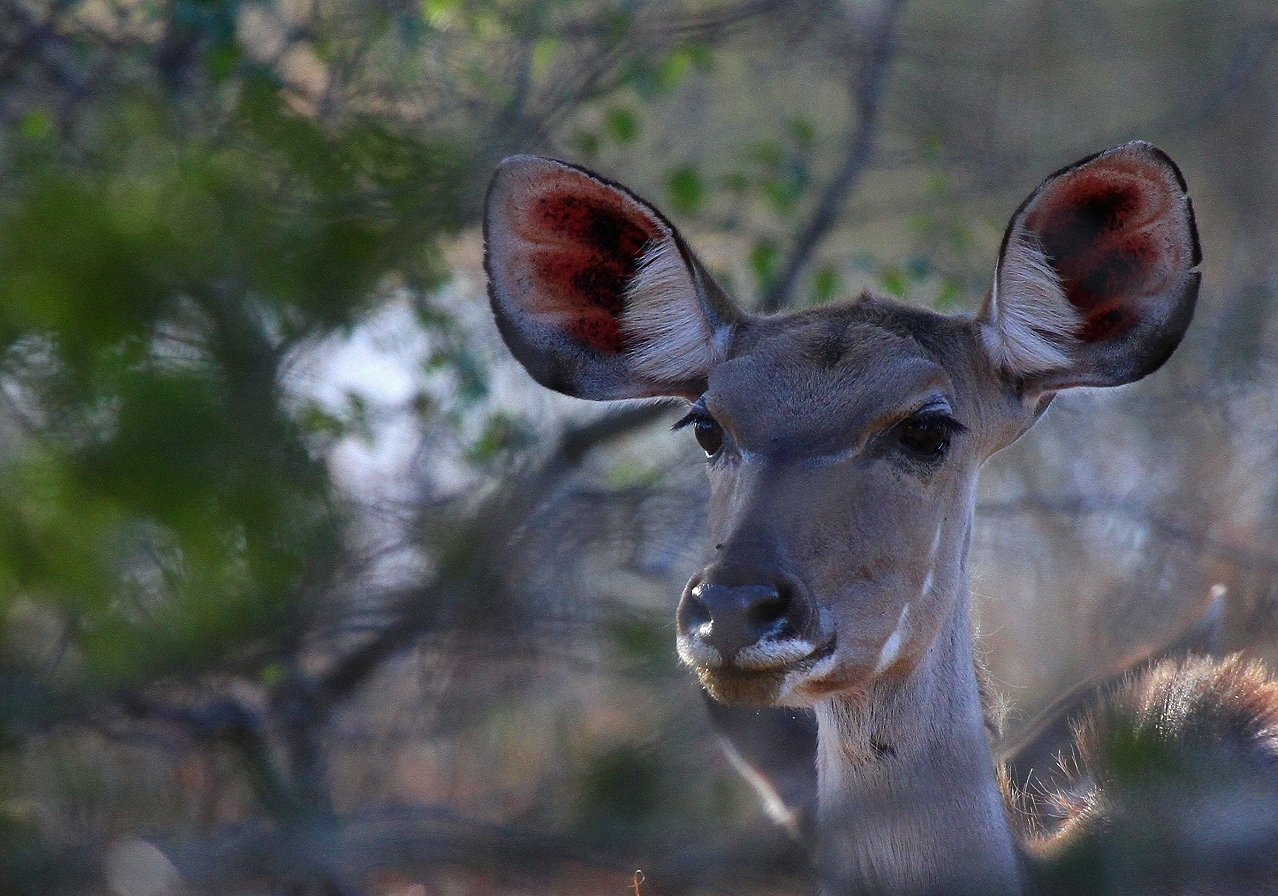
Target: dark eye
(709, 435)
(927, 435)
(707, 430)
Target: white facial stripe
(930, 579)
(892, 646)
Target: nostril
(693, 612)
(767, 609)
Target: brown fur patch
(1174, 790)
(1183, 710)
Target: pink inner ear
(588, 239)
(1109, 233)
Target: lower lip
(799, 665)
(826, 649)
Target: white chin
(792, 688)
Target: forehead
(821, 376)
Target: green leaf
(501, 433)
(223, 60)
(894, 282)
(763, 262)
(685, 189)
(702, 56)
(802, 132)
(437, 12)
(315, 420)
(36, 124)
(622, 124)
(826, 284)
(947, 299)
(766, 153)
(587, 143)
(543, 56)
(271, 674)
(675, 67)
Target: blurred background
(306, 589)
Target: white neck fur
(909, 802)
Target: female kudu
(843, 446)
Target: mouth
(757, 683)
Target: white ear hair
(673, 339)
(1032, 326)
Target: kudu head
(843, 442)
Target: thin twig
(478, 572)
(867, 88)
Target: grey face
(842, 450)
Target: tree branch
(472, 562)
(867, 88)
(427, 840)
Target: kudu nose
(732, 617)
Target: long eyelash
(687, 420)
(938, 416)
(697, 413)
(952, 425)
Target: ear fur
(1095, 283)
(593, 290)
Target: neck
(909, 802)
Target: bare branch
(867, 88)
(429, 840)
(466, 569)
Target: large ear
(593, 290)
(1095, 282)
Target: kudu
(843, 445)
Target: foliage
(165, 254)
(149, 296)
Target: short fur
(829, 515)
(1176, 775)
